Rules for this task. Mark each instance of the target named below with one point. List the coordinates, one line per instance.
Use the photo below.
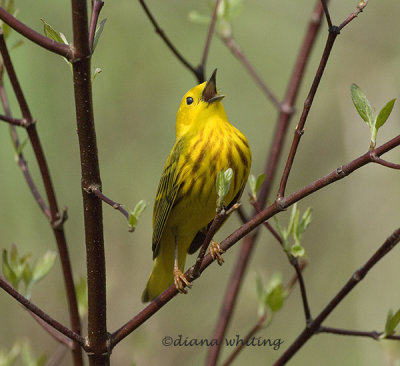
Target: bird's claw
(216, 251)
(180, 281)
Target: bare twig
(13, 121)
(41, 314)
(285, 114)
(260, 322)
(216, 224)
(209, 37)
(353, 281)
(387, 164)
(21, 160)
(96, 190)
(235, 49)
(247, 227)
(348, 332)
(55, 219)
(354, 14)
(198, 73)
(334, 31)
(327, 15)
(39, 39)
(96, 8)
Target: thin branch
(334, 31)
(96, 9)
(14, 121)
(285, 114)
(247, 227)
(260, 322)
(353, 281)
(216, 224)
(198, 73)
(378, 336)
(90, 177)
(209, 37)
(235, 49)
(21, 160)
(41, 314)
(296, 265)
(56, 220)
(386, 163)
(59, 337)
(35, 37)
(359, 9)
(96, 190)
(327, 15)
(307, 106)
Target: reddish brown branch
(56, 220)
(96, 8)
(357, 333)
(284, 117)
(313, 327)
(250, 225)
(209, 37)
(96, 190)
(197, 72)
(41, 314)
(39, 39)
(235, 49)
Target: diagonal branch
(198, 73)
(313, 327)
(208, 38)
(35, 37)
(284, 118)
(41, 314)
(247, 227)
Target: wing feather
(166, 194)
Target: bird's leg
(216, 251)
(180, 280)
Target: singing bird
(185, 204)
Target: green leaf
(256, 183)
(8, 358)
(275, 293)
(384, 114)
(198, 18)
(305, 220)
(82, 295)
(99, 31)
(223, 183)
(8, 272)
(51, 33)
(362, 105)
(21, 147)
(43, 266)
(135, 214)
(297, 250)
(293, 221)
(392, 321)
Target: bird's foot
(180, 281)
(216, 251)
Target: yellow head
(198, 105)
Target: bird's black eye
(189, 100)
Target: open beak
(209, 93)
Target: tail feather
(162, 275)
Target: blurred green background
(136, 98)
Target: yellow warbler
(185, 204)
